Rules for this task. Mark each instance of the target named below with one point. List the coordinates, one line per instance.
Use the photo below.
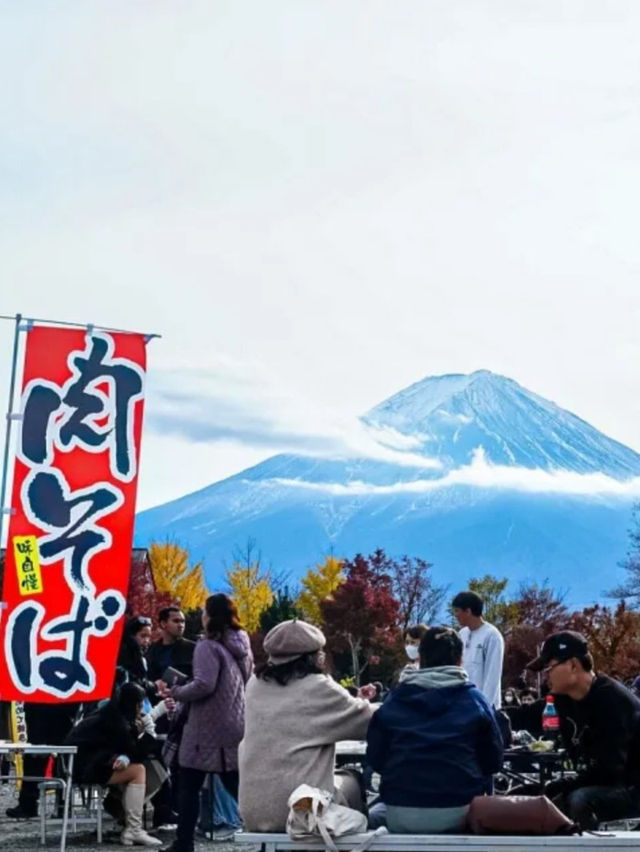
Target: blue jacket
(435, 741)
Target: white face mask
(412, 651)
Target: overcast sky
(318, 203)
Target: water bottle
(550, 720)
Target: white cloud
(481, 474)
(240, 403)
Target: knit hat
(291, 639)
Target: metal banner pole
(6, 510)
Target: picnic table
(520, 765)
(67, 754)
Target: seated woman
(113, 744)
(435, 742)
(295, 714)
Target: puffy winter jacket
(435, 741)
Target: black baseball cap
(560, 646)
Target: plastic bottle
(550, 720)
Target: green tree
(282, 608)
(498, 610)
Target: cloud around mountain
(481, 474)
(239, 403)
(458, 430)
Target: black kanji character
(50, 508)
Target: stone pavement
(25, 834)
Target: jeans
(191, 780)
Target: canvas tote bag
(313, 813)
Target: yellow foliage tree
(318, 584)
(251, 592)
(172, 573)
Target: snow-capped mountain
(455, 414)
(487, 477)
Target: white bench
(450, 842)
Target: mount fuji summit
(473, 472)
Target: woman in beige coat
(295, 714)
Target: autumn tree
(249, 586)
(173, 574)
(361, 616)
(317, 585)
(613, 636)
(419, 598)
(540, 611)
(143, 597)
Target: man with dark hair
(434, 741)
(172, 649)
(600, 727)
(483, 646)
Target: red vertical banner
(68, 552)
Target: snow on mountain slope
(299, 508)
(456, 414)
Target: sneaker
(222, 833)
(166, 826)
(20, 812)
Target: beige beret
(291, 639)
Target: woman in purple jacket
(222, 664)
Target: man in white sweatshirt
(483, 646)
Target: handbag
(171, 745)
(518, 815)
(313, 813)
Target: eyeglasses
(553, 666)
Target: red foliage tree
(361, 616)
(142, 596)
(539, 611)
(613, 637)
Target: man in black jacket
(172, 649)
(600, 727)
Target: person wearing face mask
(412, 637)
(510, 698)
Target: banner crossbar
(89, 326)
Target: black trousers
(191, 781)
(588, 806)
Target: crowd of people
(182, 711)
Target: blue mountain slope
(300, 508)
